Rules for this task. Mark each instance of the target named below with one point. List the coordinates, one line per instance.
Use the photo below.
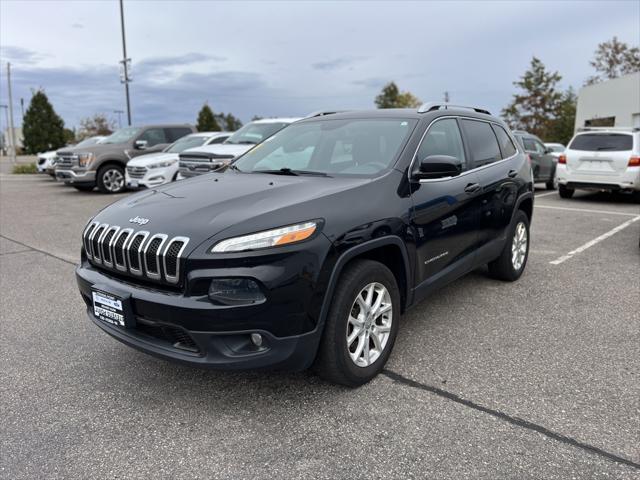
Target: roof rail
(431, 106)
(322, 113)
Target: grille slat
(156, 257)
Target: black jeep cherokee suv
(308, 249)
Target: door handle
(512, 173)
(472, 188)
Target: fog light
(256, 339)
(235, 291)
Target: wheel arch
(391, 251)
(525, 203)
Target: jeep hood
(236, 204)
(96, 149)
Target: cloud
(337, 63)
(77, 25)
(373, 82)
(19, 55)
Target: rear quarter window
(506, 145)
(602, 142)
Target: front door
(445, 210)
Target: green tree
(230, 123)
(561, 128)
(98, 124)
(42, 128)
(207, 120)
(613, 59)
(391, 97)
(536, 106)
(69, 136)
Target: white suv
(158, 168)
(197, 161)
(601, 159)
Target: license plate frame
(112, 308)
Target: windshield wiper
(289, 171)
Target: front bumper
(73, 177)
(153, 177)
(627, 180)
(182, 324)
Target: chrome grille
(67, 160)
(137, 172)
(156, 257)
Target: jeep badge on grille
(139, 220)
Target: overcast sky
(290, 58)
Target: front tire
(511, 262)
(111, 179)
(361, 326)
(565, 192)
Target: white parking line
(545, 194)
(593, 242)
(586, 210)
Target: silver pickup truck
(103, 165)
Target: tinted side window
(175, 133)
(506, 145)
(154, 136)
(443, 138)
(220, 139)
(482, 142)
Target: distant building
(612, 103)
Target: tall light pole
(12, 132)
(125, 65)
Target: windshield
(362, 147)
(89, 141)
(186, 142)
(556, 148)
(594, 142)
(254, 133)
(122, 135)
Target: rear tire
(552, 183)
(358, 340)
(511, 262)
(110, 179)
(565, 192)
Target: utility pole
(12, 133)
(119, 112)
(125, 65)
(446, 97)
(22, 107)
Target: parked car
(158, 168)
(287, 264)
(47, 160)
(543, 162)
(556, 149)
(103, 164)
(601, 159)
(207, 159)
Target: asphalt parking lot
(534, 379)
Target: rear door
(445, 210)
(494, 156)
(600, 153)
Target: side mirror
(439, 166)
(141, 144)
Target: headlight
(85, 159)
(269, 238)
(164, 164)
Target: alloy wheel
(519, 246)
(369, 324)
(113, 180)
